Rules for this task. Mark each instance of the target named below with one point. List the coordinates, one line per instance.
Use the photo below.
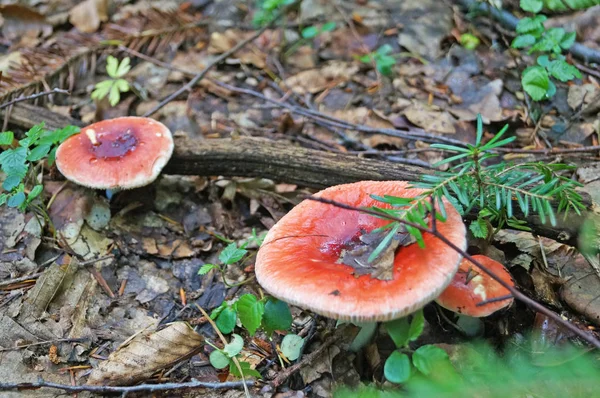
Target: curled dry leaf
(145, 353)
(316, 80)
(87, 15)
(430, 119)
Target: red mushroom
(304, 260)
(122, 153)
(471, 286)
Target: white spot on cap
(91, 134)
(480, 289)
(158, 134)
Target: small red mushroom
(121, 153)
(313, 258)
(471, 286)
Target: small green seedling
(497, 190)
(266, 10)
(382, 58)
(310, 32)
(18, 162)
(469, 41)
(549, 44)
(401, 364)
(116, 85)
(222, 358)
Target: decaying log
(285, 162)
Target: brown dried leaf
(315, 80)
(21, 21)
(146, 353)
(430, 119)
(87, 15)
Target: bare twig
(21, 279)
(73, 340)
(123, 389)
(211, 65)
(516, 293)
(34, 96)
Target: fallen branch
(34, 96)
(123, 389)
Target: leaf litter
(121, 278)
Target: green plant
(116, 85)
(495, 189)
(382, 59)
(469, 41)
(549, 44)
(479, 371)
(18, 162)
(231, 255)
(267, 10)
(310, 32)
(427, 359)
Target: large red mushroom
(121, 153)
(312, 258)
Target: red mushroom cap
(299, 261)
(472, 286)
(121, 153)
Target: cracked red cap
(121, 153)
(472, 286)
(314, 257)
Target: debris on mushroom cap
(121, 153)
(302, 260)
(472, 286)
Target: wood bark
(283, 161)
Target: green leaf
(206, 268)
(102, 89)
(231, 254)
(428, 358)
(11, 182)
(563, 71)
(469, 41)
(310, 32)
(479, 228)
(397, 368)
(218, 360)
(384, 50)
(122, 85)
(7, 137)
(328, 27)
(523, 41)
(568, 40)
(234, 346)
(226, 320)
(535, 82)
(291, 346)
(246, 370)
(250, 311)
(543, 60)
(114, 96)
(52, 156)
(38, 152)
(123, 68)
(416, 325)
(112, 64)
(277, 316)
(3, 198)
(384, 64)
(35, 192)
(533, 6)
(16, 200)
(13, 161)
(35, 133)
(534, 26)
(399, 331)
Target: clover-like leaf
(397, 368)
(291, 346)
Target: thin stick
(21, 279)
(73, 340)
(122, 389)
(34, 96)
(516, 293)
(211, 65)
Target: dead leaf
(146, 353)
(581, 95)
(316, 80)
(483, 100)
(429, 118)
(18, 21)
(87, 15)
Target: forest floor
(371, 80)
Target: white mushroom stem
(91, 134)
